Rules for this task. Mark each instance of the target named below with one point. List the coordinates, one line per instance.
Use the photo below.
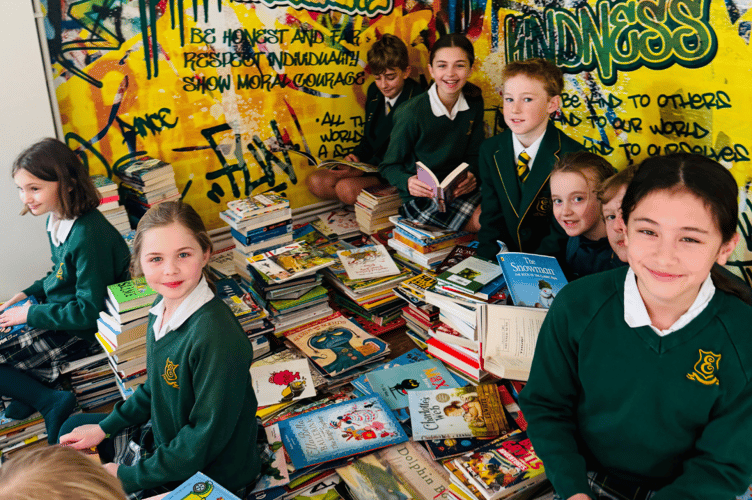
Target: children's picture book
(282, 382)
(276, 474)
(415, 468)
(290, 261)
(472, 411)
(470, 274)
(510, 338)
(371, 478)
(533, 280)
(394, 384)
(336, 344)
(341, 223)
(253, 206)
(199, 486)
(370, 261)
(336, 163)
(443, 191)
(8, 333)
(340, 430)
(510, 467)
(457, 255)
(131, 294)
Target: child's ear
(554, 104)
(726, 249)
(205, 259)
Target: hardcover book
(131, 294)
(410, 462)
(200, 486)
(10, 332)
(532, 280)
(276, 473)
(290, 261)
(371, 478)
(341, 430)
(336, 344)
(370, 261)
(472, 411)
(282, 382)
(443, 191)
(470, 274)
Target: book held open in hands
(334, 164)
(443, 191)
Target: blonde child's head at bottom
(57, 473)
(574, 183)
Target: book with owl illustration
(340, 430)
(282, 382)
(200, 486)
(336, 344)
(370, 261)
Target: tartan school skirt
(43, 353)
(605, 487)
(426, 211)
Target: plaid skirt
(605, 487)
(426, 211)
(43, 353)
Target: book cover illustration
(457, 255)
(370, 261)
(290, 261)
(340, 430)
(533, 280)
(335, 163)
(289, 355)
(413, 465)
(471, 274)
(276, 473)
(199, 486)
(130, 293)
(340, 222)
(336, 344)
(370, 478)
(472, 411)
(8, 333)
(257, 205)
(282, 382)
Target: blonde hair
(165, 214)
(584, 163)
(609, 187)
(57, 473)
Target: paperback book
(130, 294)
(11, 332)
(371, 478)
(336, 163)
(470, 275)
(341, 430)
(290, 261)
(533, 280)
(282, 382)
(370, 261)
(443, 191)
(510, 338)
(199, 486)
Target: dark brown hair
(582, 162)
(53, 161)
(461, 42)
(540, 69)
(165, 214)
(387, 53)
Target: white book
(510, 338)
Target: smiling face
(576, 208)
(172, 261)
(391, 81)
(450, 70)
(672, 242)
(615, 229)
(39, 196)
(527, 107)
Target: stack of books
(258, 223)
(122, 331)
(473, 278)
(92, 381)
(424, 245)
(374, 206)
(109, 204)
(145, 182)
(250, 315)
(17, 434)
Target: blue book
(199, 486)
(349, 428)
(9, 333)
(533, 280)
(411, 356)
(266, 233)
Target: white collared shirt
(197, 298)
(391, 102)
(532, 150)
(438, 107)
(636, 314)
(59, 229)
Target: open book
(443, 191)
(510, 336)
(335, 163)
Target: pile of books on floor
(91, 381)
(374, 206)
(122, 332)
(16, 434)
(250, 315)
(109, 204)
(258, 223)
(145, 182)
(424, 245)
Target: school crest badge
(543, 207)
(60, 275)
(705, 368)
(169, 374)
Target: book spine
(261, 236)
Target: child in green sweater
(641, 385)
(88, 254)
(197, 410)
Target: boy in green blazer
(389, 62)
(515, 165)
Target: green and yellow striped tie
(523, 170)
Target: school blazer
(520, 216)
(378, 126)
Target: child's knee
(347, 192)
(473, 223)
(319, 184)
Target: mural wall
(228, 90)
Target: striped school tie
(523, 170)
(388, 108)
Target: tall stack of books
(92, 381)
(122, 331)
(109, 204)
(424, 245)
(145, 182)
(374, 206)
(249, 313)
(16, 434)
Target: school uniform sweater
(669, 413)
(586, 256)
(201, 403)
(520, 215)
(93, 256)
(378, 125)
(438, 142)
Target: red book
(457, 359)
(511, 406)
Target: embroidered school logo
(59, 274)
(705, 368)
(543, 207)
(169, 374)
